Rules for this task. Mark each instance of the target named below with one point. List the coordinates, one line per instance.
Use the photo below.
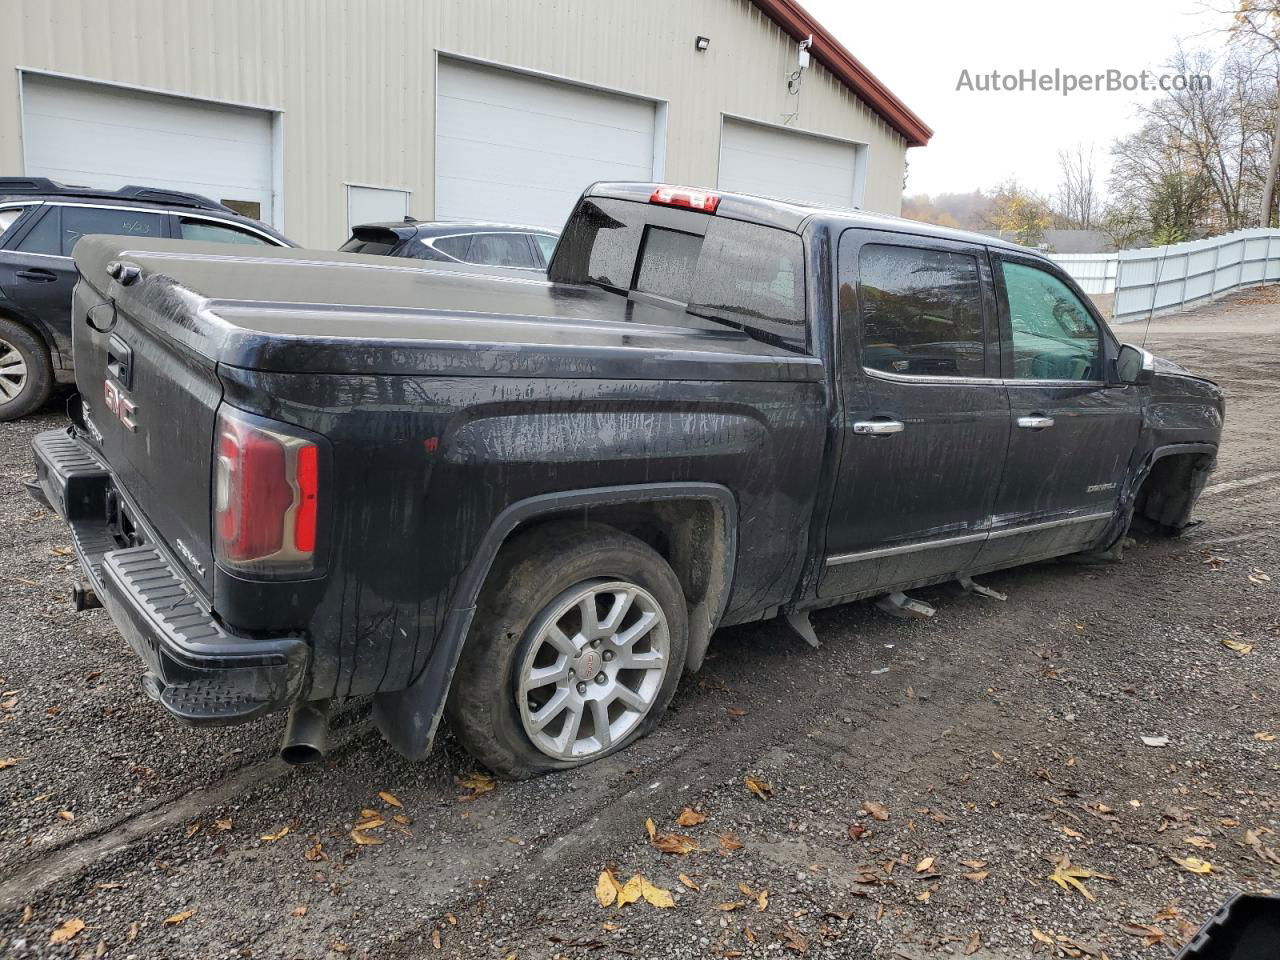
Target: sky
(918, 49)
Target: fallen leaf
(1156, 741)
(68, 931)
(365, 840)
(477, 783)
(273, 837)
(673, 843)
(370, 823)
(973, 864)
(134, 929)
(762, 901)
(857, 831)
(656, 896)
(925, 865)
(760, 788)
(315, 852)
(1244, 649)
(727, 907)
(435, 938)
(389, 799)
(299, 911)
(750, 935)
(977, 876)
(224, 824)
(5, 763)
(1042, 937)
(66, 815)
(404, 821)
(1202, 843)
(631, 890)
(1265, 736)
(1258, 578)
(793, 940)
(923, 897)
(605, 926)
(877, 811)
(972, 946)
(1067, 876)
(27, 913)
(690, 817)
(729, 841)
(1193, 864)
(688, 883)
(1150, 935)
(109, 885)
(178, 918)
(735, 711)
(1073, 834)
(606, 888)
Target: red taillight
(266, 490)
(686, 197)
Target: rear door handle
(1035, 422)
(38, 275)
(878, 428)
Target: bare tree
(1077, 198)
(1256, 26)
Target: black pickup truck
(297, 477)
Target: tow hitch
(83, 598)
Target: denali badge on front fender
(118, 402)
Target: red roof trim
(799, 24)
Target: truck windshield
(744, 275)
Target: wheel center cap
(588, 664)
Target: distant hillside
(967, 211)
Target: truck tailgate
(147, 381)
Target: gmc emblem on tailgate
(118, 402)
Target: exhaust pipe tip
(306, 737)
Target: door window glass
(43, 237)
(501, 250)
(921, 312)
(78, 222)
(1054, 336)
(209, 232)
(546, 244)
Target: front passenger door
(1072, 432)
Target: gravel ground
(921, 781)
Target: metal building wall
(354, 80)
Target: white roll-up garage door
(520, 149)
(774, 162)
(103, 136)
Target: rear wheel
(577, 647)
(26, 373)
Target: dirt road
(922, 780)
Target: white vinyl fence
(1159, 279)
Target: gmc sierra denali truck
(296, 477)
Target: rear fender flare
(408, 718)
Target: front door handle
(1035, 422)
(878, 428)
(38, 275)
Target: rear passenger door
(924, 420)
(1072, 432)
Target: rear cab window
(731, 272)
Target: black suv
(484, 244)
(40, 222)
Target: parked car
(531, 503)
(40, 222)
(484, 244)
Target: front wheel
(577, 647)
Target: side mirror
(1135, 365)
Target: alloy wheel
(13, 372)
(593, 668)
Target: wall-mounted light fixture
(701, 43)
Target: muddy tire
(577, 647)
(26, 372)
